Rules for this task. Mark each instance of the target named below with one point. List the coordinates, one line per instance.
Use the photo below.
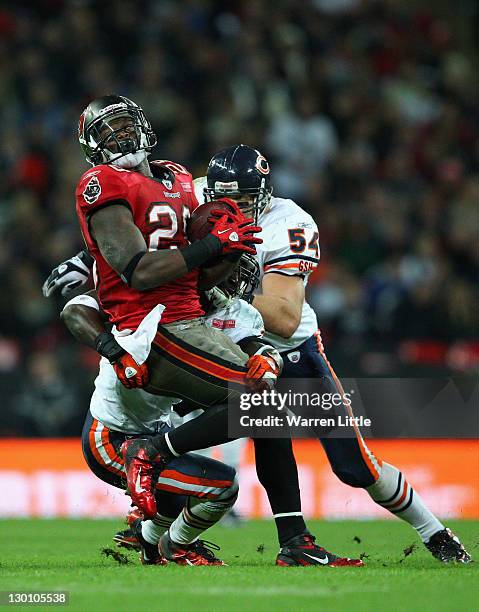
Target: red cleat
(302, 551)
(199, 552)
(141, 474)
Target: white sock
(394, 493)
(199, 515)
(153, 529)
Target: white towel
(138, 343)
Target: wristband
(108, 347)
(87, 258)
(198, 253)
(233, 257)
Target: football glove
(217, 299)
(264, 367)
(235, 232)
(69, 275)
(131, 374)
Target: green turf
(66, 555)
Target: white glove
(218, 299)
(69, 275)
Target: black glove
(69, 275)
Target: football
(198, 224)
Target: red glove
(235, 232)
(262, 372)
(130, 374)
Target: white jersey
(290, 246)
(135, 410)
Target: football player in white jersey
(194, 492)
(116, 411)
(288, 254)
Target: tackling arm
(281, 303)
(84, 319)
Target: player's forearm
(213, 275)
(84, 323)
(280, 316)
(159, 267)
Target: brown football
(198, 224)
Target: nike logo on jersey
(138, 487)
(223, 231)
(323, 561)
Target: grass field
(66, 555)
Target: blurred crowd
(367, 110)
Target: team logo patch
(92, 191)
(167, 183)
(223, 323)
(294, 356)
(262, 164)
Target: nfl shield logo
(168, 184)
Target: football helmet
(243, 280)
(99, 132)
(241, 173)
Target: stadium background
(368, 112)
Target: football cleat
(302, 550)
(127, 537)
(199, 552)
(447, 547)
(149, 554)
(142, 472)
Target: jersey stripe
(287, 257)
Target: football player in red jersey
(133, 219)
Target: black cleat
(302, 550)
(447, 547)
(127, 539)
(149, 553)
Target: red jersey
(160, 210)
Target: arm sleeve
(296, 248)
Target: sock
(209, 429)
(198, 515)
(278, 473)
(153, 529)
(393, 492)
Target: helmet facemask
(243, 280)
(101, 140)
